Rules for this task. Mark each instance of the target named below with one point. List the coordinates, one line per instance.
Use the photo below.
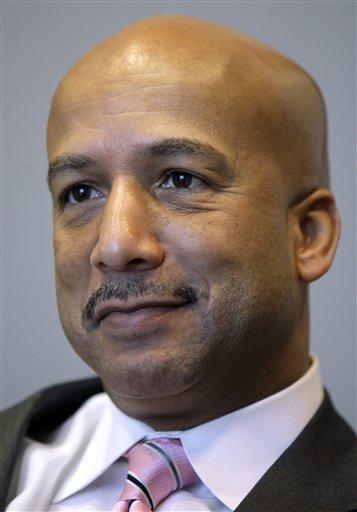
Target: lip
(136, 309)
(138, 323)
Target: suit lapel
(315, 474)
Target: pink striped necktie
(157, 468)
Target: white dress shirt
(80, 466)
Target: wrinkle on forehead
(261, 93)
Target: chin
(150, 379)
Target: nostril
(137, 261)
(101, 266)
(138, 264)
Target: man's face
(173, 264)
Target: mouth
(117, 318)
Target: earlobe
(318, 234)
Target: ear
(317, 231)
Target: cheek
(216, 241)
(245, 247)
(72, 260)
(197, 243)
(72, 265)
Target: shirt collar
(95, 436)
(229, 454)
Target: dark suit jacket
(317, 473)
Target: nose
(126, 239)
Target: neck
(201, 404)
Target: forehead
(115, 114)
(168, 75)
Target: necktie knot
(157, 468)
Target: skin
(247, 233)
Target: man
(189, 177)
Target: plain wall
(41, 40)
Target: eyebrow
(163, 148)
(68, 161)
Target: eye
(182, 180)
(80, 193)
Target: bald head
(271, 106)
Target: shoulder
(50, 406)
(37, 415)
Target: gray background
(40, 41)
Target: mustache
(138, 288)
